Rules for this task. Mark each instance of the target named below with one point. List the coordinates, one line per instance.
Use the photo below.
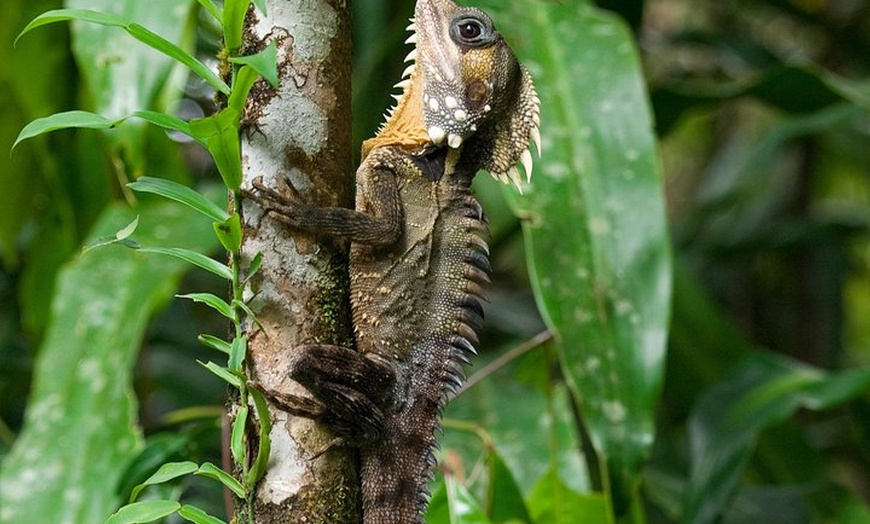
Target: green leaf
(233, 21)
(242, 85)
(256, 262)
(791, 88)
(192, 257)
(220, 133)
(553, 502)
(87, 120)
(261, 5)
(167, 472)
(229, 232)
(596, 234)
(265, 62)
(216, 343)
(121, 76)
(237, 438)
(238, 353)
(165, 121)
(80, 429)
(120, 237)
(65, 120)
(211, 471)
(159, 449)
(504, 499)
(455, 505)
(214, 302)
(225, 374)
(198, 516)
(258, 468)
(212, 9)
(248, 312)
(144, 512)
(173, 51)
(514, 414)
(726, 421)
(142, 34)
(181, 194)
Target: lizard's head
(464, 88)
(474, 90)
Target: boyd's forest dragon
(418, 258)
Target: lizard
(418, 259)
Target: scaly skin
(418, 258)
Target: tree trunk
(301, 133)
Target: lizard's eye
(472, 30)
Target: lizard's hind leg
(351, 391)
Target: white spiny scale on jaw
(524, 133)
(436, 134)
(526, 160)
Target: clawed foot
(352, 393)
(284, 203)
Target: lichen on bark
(300, 132)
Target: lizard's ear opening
(509, 142)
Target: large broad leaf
(531, 431)
(80, 428)
(555, 503)
(595, 222)
(726, 422)
(123, 74)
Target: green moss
(331, 302)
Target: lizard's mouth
(475, 89)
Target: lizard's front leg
(376, 220)
(351, 390)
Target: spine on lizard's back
(395, 470)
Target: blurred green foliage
(761, 109)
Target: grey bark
(301, 132)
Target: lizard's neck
(405, 126)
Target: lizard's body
(418, 259)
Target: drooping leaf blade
(65, 120)
(213, 301)
(192, 257)
(83, 371)
(135, 30)
(238, 352)
(595, 232)
(141, 512)
(220, 134)
(237, 437)
(166, 472)
(726, 421)
(198, 516)
(211, 471)
(180, 193)
(216, 343)
(229, 232)
(232, 20)
(223, 373)
(553, 502)
(258, 469)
